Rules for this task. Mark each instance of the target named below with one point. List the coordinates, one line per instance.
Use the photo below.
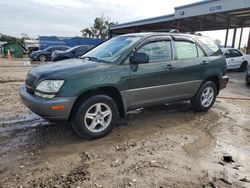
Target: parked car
(124, 73)
(236, 59)
(45, 55)
(74, 52)
(32, 49)
(248, 75)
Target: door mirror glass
(139, 58)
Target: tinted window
(62, 48)
(235, 53)
(200, 52)
(227, 54)
(185, 49)
(79, 49)
(48, 49)
(210, 46)
(157, 51)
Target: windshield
(112, 49)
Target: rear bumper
(43, 107)
(224, 81)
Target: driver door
(153, 82)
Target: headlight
(48, 88)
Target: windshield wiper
(94, 59)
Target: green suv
(124, 73)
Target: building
(201, 16)
(31, 43)
(16, 49)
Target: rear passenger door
(192, 62)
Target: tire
(42, 58)
(208, 91)
(95, 117)
(243, 67)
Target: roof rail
(198, 34)
(174, 31)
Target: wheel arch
(110, 91)
(215, 79)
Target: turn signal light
(59, 107)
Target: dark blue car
(45, 55)
(74, 52)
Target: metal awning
(202, 16)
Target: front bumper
(224, 81)
(43, 107)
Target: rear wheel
(243, 66)
(95, 117)
(205, 97)
(42, 58)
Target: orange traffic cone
(8, 55)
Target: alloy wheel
(207, 97)
(98, 117)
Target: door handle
(204, 62)
(169, 67)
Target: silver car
(236, 59)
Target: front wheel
(205, 97)
(42, 58)
(95, 117)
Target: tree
(7, 38)
(99, 29)
(218, 42)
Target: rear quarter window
(210, 47)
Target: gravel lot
(162, 146)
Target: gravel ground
(161, 146)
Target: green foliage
(7, 38)
(99, 29)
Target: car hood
(61, 69)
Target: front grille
(30, 80)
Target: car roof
(152, 34)
(228, 48)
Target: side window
(200, 52)
(185, 50)
(81, 49)
(236, 53)
(209, 46)
(227, 54)
(157, 51)
(50, 49)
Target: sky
(68, 17)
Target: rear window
(210, 46)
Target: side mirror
(139, 58)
